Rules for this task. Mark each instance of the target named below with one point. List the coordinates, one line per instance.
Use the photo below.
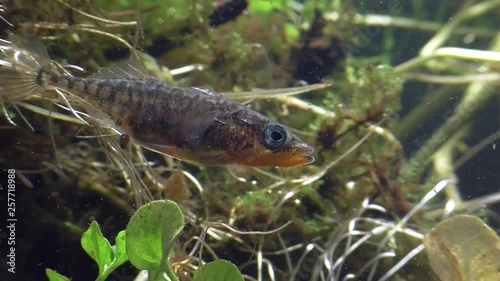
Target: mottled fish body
(188, 124)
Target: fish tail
(24, 67)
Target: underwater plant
(147, 244)
(396, 97)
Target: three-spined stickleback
(189, 124)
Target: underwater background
(400, 100)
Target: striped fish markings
(192, 124)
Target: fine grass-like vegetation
(398, 98)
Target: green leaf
(120, 249)
(54, 276)
(119, 255)
(150, 234)
(463, 248)
(219, 270)
(97, 247)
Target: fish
(189, 124)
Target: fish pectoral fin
(130, 68)
(212, 158)
(162, 149)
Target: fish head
(269, 144)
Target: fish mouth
(299, 156)
(302, 156)
(306, 150)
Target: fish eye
(275, 136)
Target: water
(406, 137)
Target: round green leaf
(151, 232)
(219, 270)
(463, 248)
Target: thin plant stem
(128, 23)
(471, 12)
(449, 52)
(414, 24)
(453, 79)
(477, 95)
(443, 163)
(471, 152)
(432, 103)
